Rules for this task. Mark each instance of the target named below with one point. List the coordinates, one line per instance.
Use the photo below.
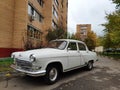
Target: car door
(83, 53)
(73, 55)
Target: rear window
(81, 46)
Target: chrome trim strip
(66, 70)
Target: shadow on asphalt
(36, 81)
(39, 81)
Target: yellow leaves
(8, 75)
(92, 35)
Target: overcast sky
(88, 12)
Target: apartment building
(82, 30)
(24, 23)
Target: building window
(83, 27)
(56, 2)
(84, 32)
(54, 12)
(54, 25)
(38, 16)
(34, 33)
(29, 10)
(34, 14)
(41, 2)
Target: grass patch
(5, 64)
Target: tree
(112, 29)
(107, 43)
(51, 35)
(77, 36)
(73, 36)
(117, 2)
(57, 33)
(91, 40)
(99, 41)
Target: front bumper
(30, 73)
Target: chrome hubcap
(53, 74)
(90, 65)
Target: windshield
(57, 44)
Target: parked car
(109, 50)
(118, 50)
(62, 55)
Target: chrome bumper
(30, 73)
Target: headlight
(32, 58)
(13, 56)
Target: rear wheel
(90, 65)
(52, 74)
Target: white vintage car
(62, 55)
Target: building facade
(24, 23)
(82, 30)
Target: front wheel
(52, 74)
(90, 65)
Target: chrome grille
(26, 65)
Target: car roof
(68, 40)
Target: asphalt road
(104, 76)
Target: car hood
(39, 53)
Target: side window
(72, 46)
(81, 47)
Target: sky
(89, 12)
